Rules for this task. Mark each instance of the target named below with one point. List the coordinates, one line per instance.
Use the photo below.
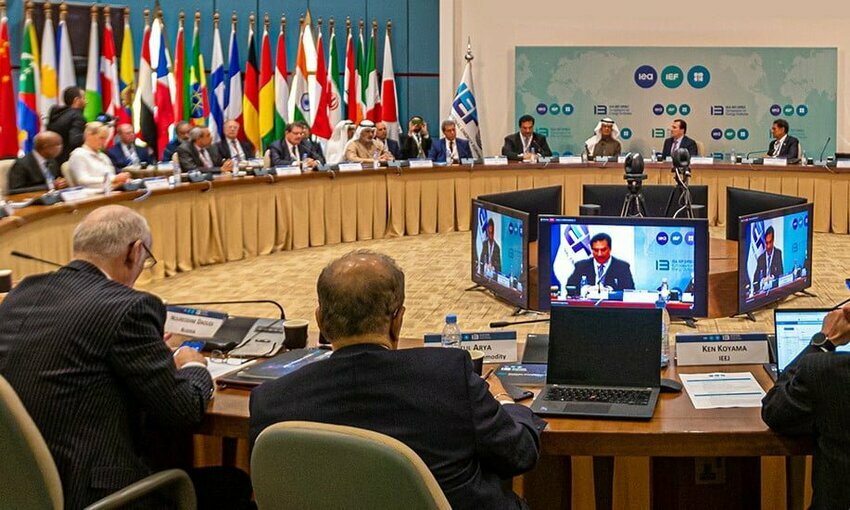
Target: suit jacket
(512, 148)
(618, 276)
(686, 143)
(280, 155)
(190, 159)
(170, 149)
(439, 148)
(394, 148)
(116, 154)
(429, 399)
(495, 260)
(790, 149)
(315, 150)
(25, 176)
(86, 356)
(775, 270)
(225, 150)
(810, 398)
(410, 150)
(69, 123)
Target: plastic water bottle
(733, 156)
(654, 155)
(175, 174)
(451, 332)
(107, 184)
(803, 159)
(376, 164)
(664, 292)
(661, 303)
(583, 286)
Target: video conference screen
(624, 262)
(500, 251)
(774, 255)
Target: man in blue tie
(769, 264)
(124, 152)
(450, 148)
(602, 268)
(38, 170)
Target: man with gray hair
(86, 355)
(449, 149)
(199, 153)
(471, 437)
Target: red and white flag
(389, 99)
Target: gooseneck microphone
(760, 151)
(503, 324)
(237, 302)
(829, 139)
(27, 256)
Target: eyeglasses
(150, 260)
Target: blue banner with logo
(729, 97)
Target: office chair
(29, 479)
(310, 465)
(65, 169)
(5, 166)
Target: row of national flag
(262, 97)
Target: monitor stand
(748, 315)
(520, 311)
(474, 287)
(806, 293)
(689, 321)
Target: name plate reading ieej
(193, 322)
(722, 349)
(498, 346)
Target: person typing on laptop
(811, 398)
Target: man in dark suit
(181, 134)
(38, 170)
(314, 148)
(470, 438)
(124, 152)
(610, 271)
(526, 145)
(199, 153)
(231, 146)
(449, 149)
(86, 355)
(769, 264)
(416, 144)
(291, 149)
(68, 121)
(382, 134)
(810, 398)
(491, 255)
(783, 145)
(679, 140)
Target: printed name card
(496, 161)
(75, 194)
(421, 163)
(702, 160)
(193, 322)
(497, 346)
(570, 160)
(350, 167)
(721, 349)
(775, 162)
(158, 183)
(287, 170)
(842, 163)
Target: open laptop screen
(794, 331)
(604, 346)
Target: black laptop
(603, 362)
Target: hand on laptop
(497, 389)
(836, 326)
(185, 355)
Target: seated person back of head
(428, 398)
(39, 170)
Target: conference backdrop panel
(728, 96)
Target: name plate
(496, 161)
(570, 160)
(193, 322)
(842, 163)
(76, 194)
(287, 170)
(158, 183)
(421, 163)
(350, 167)
(164, 166)
(702, 160)
(721, 349)
(621, 159)
(498, 346)
(775, 162)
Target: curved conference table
(236, 218)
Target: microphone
(502, 324)
(760, 151)
(27, 256)
(829, 139)
(237, 302)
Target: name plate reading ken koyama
(722, 349)
(498, 346)
(193, 322)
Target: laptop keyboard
(602, 395)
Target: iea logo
(672, 77)
(645, 76)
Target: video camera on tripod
(634, 204)
(681, 175)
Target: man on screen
(769, 264)
(608, 271)
(491, 255)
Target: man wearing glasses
(86, 355)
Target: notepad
(723, 389)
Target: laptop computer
(794, 330)
(603, 362)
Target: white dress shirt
(88, 167)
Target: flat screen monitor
(534, 201)
(639, 260)
(500, 251)
(610, 198)
(794, 331)
(774, 255)
(740, 202)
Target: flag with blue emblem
(572, 245)
(757, 247)
(464, 110)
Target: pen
(489, 373)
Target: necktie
(132, 157)
(48, 177)
(675, 147)
(235, 150)
(450, 155)
(205, 158)
(776, 148)
(294, 151)
(600, 273)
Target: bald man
(38, 170)
(468, 431)
(124, 152)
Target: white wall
(498, 26)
